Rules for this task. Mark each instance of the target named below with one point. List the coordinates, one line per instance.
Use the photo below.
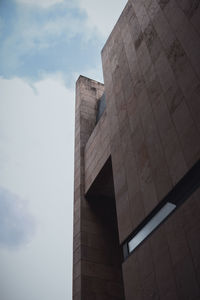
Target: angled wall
(142, 150)
(151, 72)
(151, 66)
(97, 151)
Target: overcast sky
(44, 46)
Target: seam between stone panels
(177, 3)
(141, 124)
(170, 257)
(154, 266)
(174, 127)
(175, 33)
(174, 76)
(162, 94)
(120, 139)
(190, 251)
(136, 167)
(125, 170)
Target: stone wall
(97, 151)
(151, 67)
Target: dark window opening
(101, 107)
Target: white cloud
(16, 224)
(37, 36)
(36, 141)
(101, 18)
(102, 14)
(41, 3)
(29, 35)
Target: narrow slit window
(158, 218)
(174, 199)
(101, 107)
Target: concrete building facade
(137, 167)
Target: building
(137, 167)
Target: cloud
(40, 3)
(33, 31)
(102, 14)
(36, 36)
(37, 123)
(38, 39)
(67, 37)
(16, 224)
(29, 35)
(37, 126)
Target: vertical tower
(87, 93)
(96, 265)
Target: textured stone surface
(151, 75)
(96, 261)
(151, 129)
(97, 151)
(168, 260)
(87, 94)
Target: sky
(44, 46)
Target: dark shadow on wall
(101, 199)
